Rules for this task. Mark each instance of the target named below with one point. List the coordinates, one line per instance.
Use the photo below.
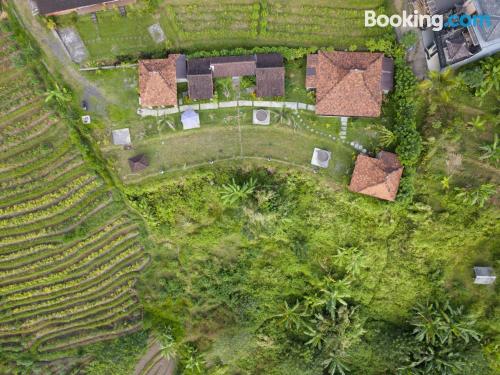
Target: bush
(287, 52)
(409, 141)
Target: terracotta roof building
(270, 75)
(349, 84)
(138, 163)
(59, 7)
(158, 82)
(268, 69)
(378, 177)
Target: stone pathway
(357, 146)
(343, 128)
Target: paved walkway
(144, 112)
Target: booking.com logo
(415, 19)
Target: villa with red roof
(378, 177)
(158, 82)
(349, 84)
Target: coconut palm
(440, 86)
(233, 193)
(386, 137)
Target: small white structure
(86, 119)
(261, 117)
(321, 158)
(156, 33)
(190, 119)
(121, 137)
(484, 275)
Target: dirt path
(152, 362)
(55, 51)
(415, 57)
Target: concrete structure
(484, 275)
(190, 119)
(121, 137)
(321, 158)
(261, 117)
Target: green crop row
(106, 252)
(35, 187)
(63, 259)
(44, 167)
(30, 256)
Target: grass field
(214, 24)
(228, 134)
(69, 249)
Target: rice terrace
(248, 187)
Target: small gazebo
(190, 119)
(138, 163)
(121, 137)
(484, 275)
(321, 158)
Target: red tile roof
(347, 83)
(378, 177)
(157, 82)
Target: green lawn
(191, 26)
(220, 138)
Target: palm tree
(284, 116)
(478, 196)
(318, 331)
(435, 324)
(491, 76)
(291, 318)
(233, 193)
(194, 363)
(445, 182)
(335, 364)
(58, 94)
(440, 85)
(335, 293)
(477, 122)
(168, 346)
(386, 137)
(491, 152)
(427, 324)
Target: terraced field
(194, 25)
(69, 249)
